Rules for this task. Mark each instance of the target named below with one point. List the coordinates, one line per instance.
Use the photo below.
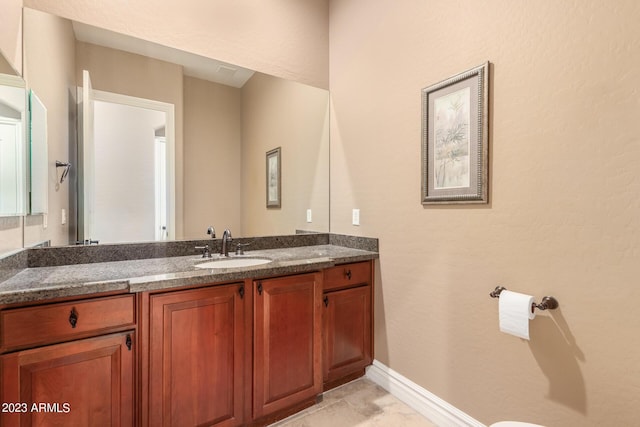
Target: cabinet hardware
(128, 342)
(326, 301)
(260, 288)
(241, 292)
(73, 317)
(348, 274)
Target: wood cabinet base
(287, 342)
(347, 334)
(85, 382)
(245, 353)
(197, 351)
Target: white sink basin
(233, 263)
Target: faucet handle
(240, 248)
(211, 231)
(205, 251)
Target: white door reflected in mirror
(131, 185)
(12, 146)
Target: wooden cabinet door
(196, 350)
(287, 342)
(80, 383)
(347, 332)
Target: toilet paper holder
(547, 303)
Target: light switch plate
(308, 215)
(355, 217)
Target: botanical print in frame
(455, 139)
(273, 178)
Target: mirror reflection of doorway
(10, 156)
(160, 182)
(128, 179)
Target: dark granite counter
(137, 275)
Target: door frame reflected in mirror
(14, 166)
(86, 211)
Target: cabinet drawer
(347, 275)
(21, 327)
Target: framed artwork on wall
(273, 178)
(455, 139)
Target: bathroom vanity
(177, 345)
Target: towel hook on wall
(65, 172)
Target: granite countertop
(40, 283)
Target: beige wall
(279, 113)
(49, 69)
(280, 37)
(227, 133)
(212, 138)
(11, 34)
(6, 67)
(10, 234)
(564, 217)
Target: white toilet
(514, 424)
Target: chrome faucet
(226, 238)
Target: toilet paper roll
(515, 313)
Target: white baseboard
(426, 403)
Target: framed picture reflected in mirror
(274, 168)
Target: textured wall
(285, 38)
(49, 69)
(212, 138)
(6, 67)
(11, 33)
(564, 217)
(280, 113)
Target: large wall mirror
(225, 119)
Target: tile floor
(359, 403)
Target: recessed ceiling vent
(226, 72)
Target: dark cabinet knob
(128, 342)
(73, 317)
(241, 292)
(326, 301)
(348, 274)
